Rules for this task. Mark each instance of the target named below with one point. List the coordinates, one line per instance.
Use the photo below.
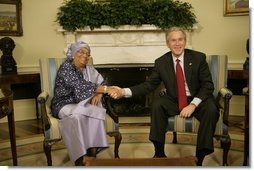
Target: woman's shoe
(92, 152)
(79, 161)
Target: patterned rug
(134, 145)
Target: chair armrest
(246, 90)
(223, 101)
(110, 110)
(42, 99)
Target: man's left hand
(187, 111)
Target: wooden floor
(23, 129)
(29, 128)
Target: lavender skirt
(82, 126)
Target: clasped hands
(115, 92)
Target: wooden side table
(6, 109)
(246, 120)
(19, 82)
(246, 128)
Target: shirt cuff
(196, 101)
(127, 92)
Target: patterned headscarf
(74, 47)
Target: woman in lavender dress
(78, 93)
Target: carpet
(30, 150)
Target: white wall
(217, 34)
(40, 38)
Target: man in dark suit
(197, 91)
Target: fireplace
(126, 75)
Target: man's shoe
(161, 156)
(200, 160)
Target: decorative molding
(126, 44)
(28, 68)
(235, 64)
(127, 35)
(124, 28)
(24, 109)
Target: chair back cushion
(48, 70)
(218, 65)
(218, 69)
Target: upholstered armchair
(48, 70)
(218, 68)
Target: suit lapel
(170, 63)
(171, 74)
(188, 68)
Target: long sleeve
(70, 87)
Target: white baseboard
(237, 105)
(23, 110)
(144, 119)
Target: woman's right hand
(115, 92)
(96, 99)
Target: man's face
(176, 42)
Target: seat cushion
(190, 125)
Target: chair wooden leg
(118, 139)
(47, 144)
(174, 141)
(47, 151)
(225, 144)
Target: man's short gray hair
(171, 29)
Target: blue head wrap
(74, 47)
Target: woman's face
(81, 58)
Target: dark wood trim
(237, 80)
(235, 74)
(24, 85)
(6, 109)
(19, 78)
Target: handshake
(115, 92)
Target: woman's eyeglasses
(81, 52)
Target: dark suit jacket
(196, 71)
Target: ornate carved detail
(127, 44)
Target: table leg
(11, 125)
(246, 132)
(37, 109)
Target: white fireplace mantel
(126, 44)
